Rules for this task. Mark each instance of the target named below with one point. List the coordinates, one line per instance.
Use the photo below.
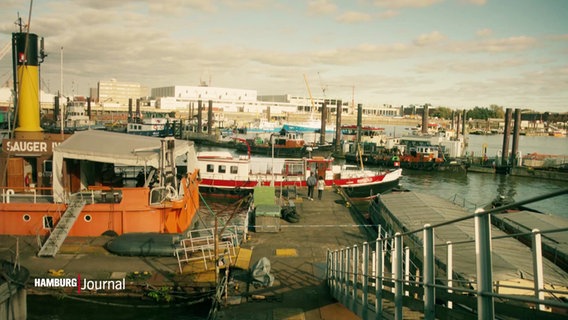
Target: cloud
(353, 17)
(469, 66)
(388, 14)
(406, 3)
(428, 39)
(475, 2)
(319, 7)
(518, 43)
(484, 32)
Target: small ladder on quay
(61, 230)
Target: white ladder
(61, 230)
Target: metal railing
(359, 279)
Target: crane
(4, 50)
(310, 94)
(323, 88)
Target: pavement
(297, 255)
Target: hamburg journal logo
(81, 284)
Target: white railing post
(393, 258)
(329, 270)
(347, 278)
(342, 276)
(450, 272)
(398, 284)
(537, 267)
(379, 256)
(406, 268)
(365, 288)
(335, 274)
(429, 265)
(485, 304)
(355, 278)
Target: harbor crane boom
(309, 93)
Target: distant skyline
(453, 53)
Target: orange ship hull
(131, 213)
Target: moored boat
(153, 126)
(283, 144)
(89, 199)
(221, 173)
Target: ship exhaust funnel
(25, 51)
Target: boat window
(47, 222)
(88, 218)
(26, 217)
(47, 168)
(222, 168)
(210, 168)
(295, 169)
(234, 169)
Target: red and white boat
(222, 173)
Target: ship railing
(203, 249)
(95, 195)
(230, 233)
(359, 276)
(27, 195)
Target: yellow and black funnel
(25, 46)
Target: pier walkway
(298, 254)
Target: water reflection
(476, 190)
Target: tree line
(497, 112)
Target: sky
(454, 53)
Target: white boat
(153, 126)
(76, 117)
(221, 173)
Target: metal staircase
(59, 233)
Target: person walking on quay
(311, 182)
(321, 186)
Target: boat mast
(63, 107)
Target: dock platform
(512, 263)
(297, 255)
(554, 245)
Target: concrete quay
(297, 257)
